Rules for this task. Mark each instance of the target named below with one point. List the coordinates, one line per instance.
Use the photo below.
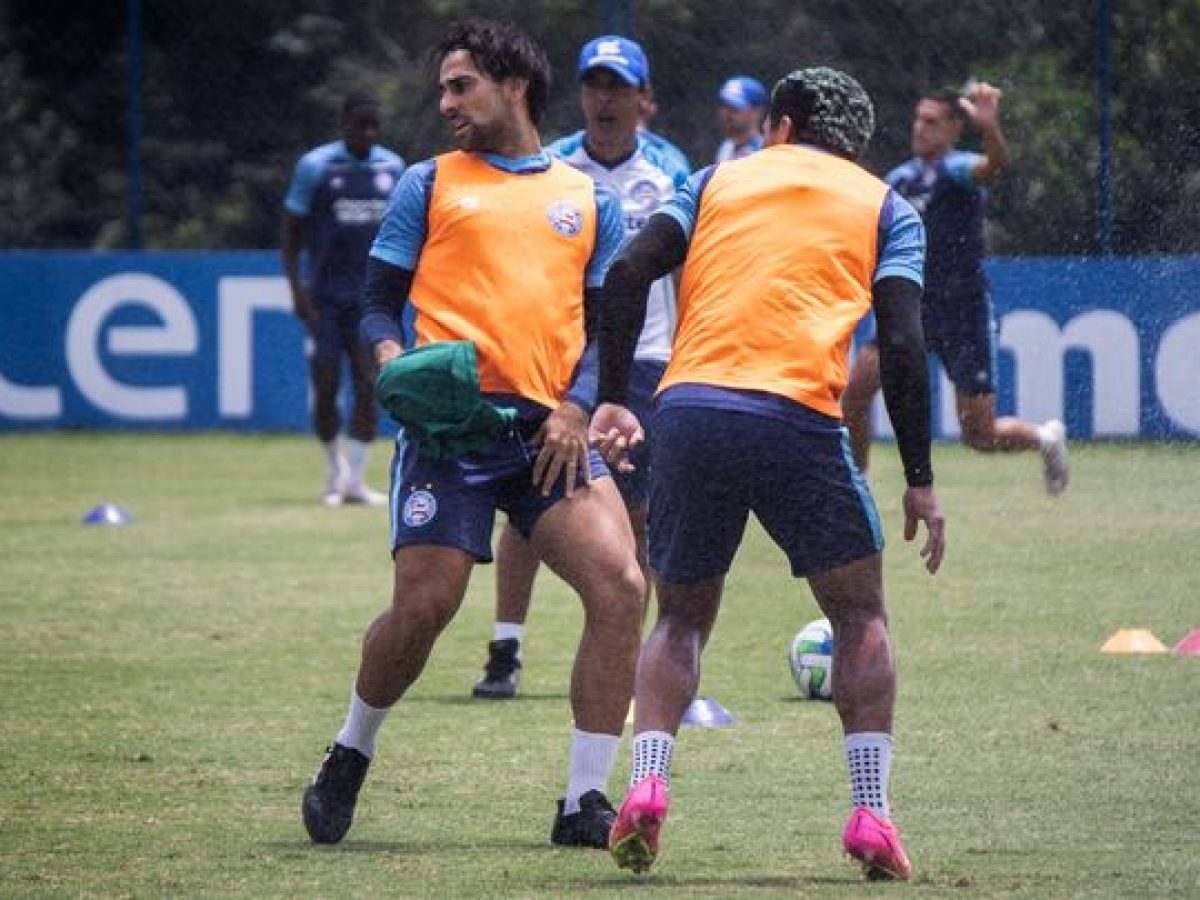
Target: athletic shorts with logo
(453, 503)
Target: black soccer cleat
(587, 828)
(328, 805)
(502, 671)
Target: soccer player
(741, 105)
(782, 253)
(500, 245)
(614, 77)
(333, 207)
(947, 187)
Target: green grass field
(168, 687)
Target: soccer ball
(811, 660)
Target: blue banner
(207, 340)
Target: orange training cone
(1133, 640)
(1190, 645)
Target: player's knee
(426, 618)
(632, 589)
(620, 597)
(424, 609)
(861, 629)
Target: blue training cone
(707, 713)
(107, 514)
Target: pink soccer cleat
(633, 841)
(876, 844)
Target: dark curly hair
(829, 109)
(501, 51)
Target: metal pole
(134, 123)
(1104, 98)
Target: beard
(473, 137)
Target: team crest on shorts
(566, 219)
(419, 509)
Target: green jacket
(433, 393)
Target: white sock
(334, 464)
(356, 459)
(869, 759)
(652, 756)
(592, 757)
(504, 631)
(361, 727)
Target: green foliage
(233, 93)
(1050, 114)
(169, 686)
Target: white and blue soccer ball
(811, 660)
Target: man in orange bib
(502, 246)
(782, 252)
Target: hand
(982, 105)
(614, 432)
(564, 449)
(921, 505)
(305, 309)
(385, 352)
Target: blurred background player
(500, 245)
(647, 111)
(614, 77)
(947, 187)
(336, 200)
(741, 106)
(782, 252)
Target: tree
(234, 92)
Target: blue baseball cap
(743, 92)
(617, 54)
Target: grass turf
(168, 687)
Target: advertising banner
(183, 341)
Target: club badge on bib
(565, 218)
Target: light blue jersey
(641, 183)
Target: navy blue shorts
(643, 382)
(743, 452)
(453, 503)
(962, 333)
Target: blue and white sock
(869, 760)
(652, 756)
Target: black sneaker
(587, 828)
(329, 801)
(502, 672)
